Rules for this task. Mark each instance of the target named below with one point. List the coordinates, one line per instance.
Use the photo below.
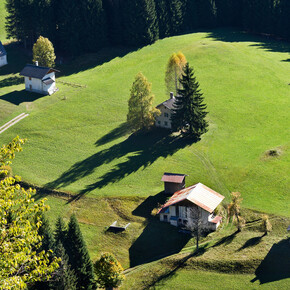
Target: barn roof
(173, 177)
(2, 50)
(37, 72)
(198, 194)
(168, 103)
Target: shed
(3, 55)
(39, 79)
(173, 182)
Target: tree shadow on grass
(18, 97)
(11, 81)
(122, 130)
(276, 265)
(251, 242)
(264, 41)
(141, 150)
(226, 240)
(158, 239)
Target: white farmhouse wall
(164, 120)
(3, 60)
(33, 85)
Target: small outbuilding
(164, 119)
(198, 199)
(173, 182)
(39, 79)
(3, 55)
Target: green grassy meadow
(2, 22)
(78, 143)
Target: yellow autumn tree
(21, 262)
(43, 52)
(141, 114)
(173, 72)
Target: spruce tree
(139, 22)
(60, 232)
(189, 110)
(79, 256)
(64, 278)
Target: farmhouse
(3, 55)
(173, 182)
(197, 198)
(164, 119)
(39, 79)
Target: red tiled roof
(216, 219)
(173, 177)
(198, 194)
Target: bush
(5, 171)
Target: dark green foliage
(46, 232)
(189, 113)
(139, 22)
(60, 232)
(64, 277)
(79, 256)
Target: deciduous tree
(174, 69)
(266, 226)
(109, 271)
(234, 210)
(189, 110)
(20, 219)
(194, 223)
(141, 113)
(43, 52)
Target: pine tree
(163, 16)
(43, 52)
(79, 256)
(139, 22)
(189, 110)
(64, 278)
(141, 115)
(60, 232)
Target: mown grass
(77, 142)
(2, 22)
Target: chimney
(36, 63)
(171, 95)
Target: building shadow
(158, 239)
(17, 58)
(141, 150)
(251, 242)
(18, 97)
(261, 41)
(276, 265)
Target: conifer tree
(46, 232)
(139, 22)
(64, 278)
(189, 110)
(141, 115)
(79, 258)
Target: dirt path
(12, 122)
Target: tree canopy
(43, 52)
(174, 69)
(109, 271)
(189, 110)
(20, 219)
(141, 114)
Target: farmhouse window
(166, 115)
(165, 217)
(165, 123)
